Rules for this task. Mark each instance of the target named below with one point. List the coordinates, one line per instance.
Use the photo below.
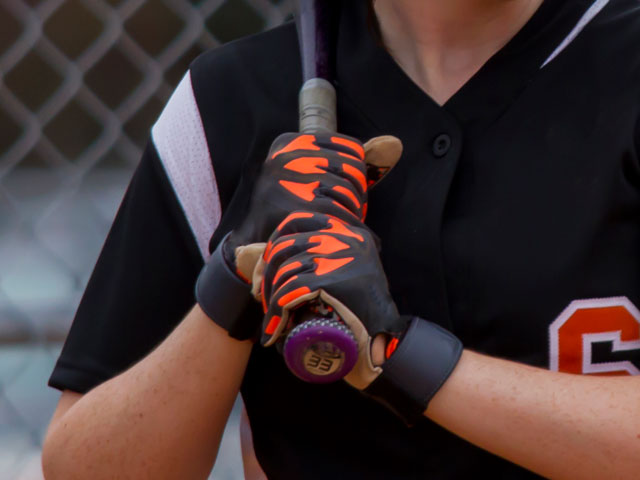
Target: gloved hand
(313, 255)
(316, 256)
(318, 173)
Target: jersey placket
(410, 209)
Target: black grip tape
(422, 362)
(227, 299)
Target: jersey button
(441, 145)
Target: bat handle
(320, 349)
(317, 107)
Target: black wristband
(226, 298)
(422, 362)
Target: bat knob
(321, 350)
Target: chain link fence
(81, 83)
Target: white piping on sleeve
(180, 141)
(591, 12)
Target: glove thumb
(381, 154)
(247, 257)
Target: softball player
(499, 258)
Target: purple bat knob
(321, 350)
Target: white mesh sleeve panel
(593, 10)
(179, 138)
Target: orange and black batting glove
(318, 173)
(315, 257)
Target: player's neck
(440, 44)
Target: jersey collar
(371, 79)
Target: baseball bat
(320, 348)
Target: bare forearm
(162, 418)
(558, 425)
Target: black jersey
(512, 219)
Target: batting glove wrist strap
(422, 362)
(226, 298)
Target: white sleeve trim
(179, 139)
(593, 10)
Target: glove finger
(342, 144)
(292, 142)
(279, 250)
(277, 277)
(339, 227)
(300, 222)
(335, 196)
(283, 250)
(309, 143)
(319, 223)
(342, 195)
(287, 271)
(284, 300)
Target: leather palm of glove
(313, 257)
(317, 173)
